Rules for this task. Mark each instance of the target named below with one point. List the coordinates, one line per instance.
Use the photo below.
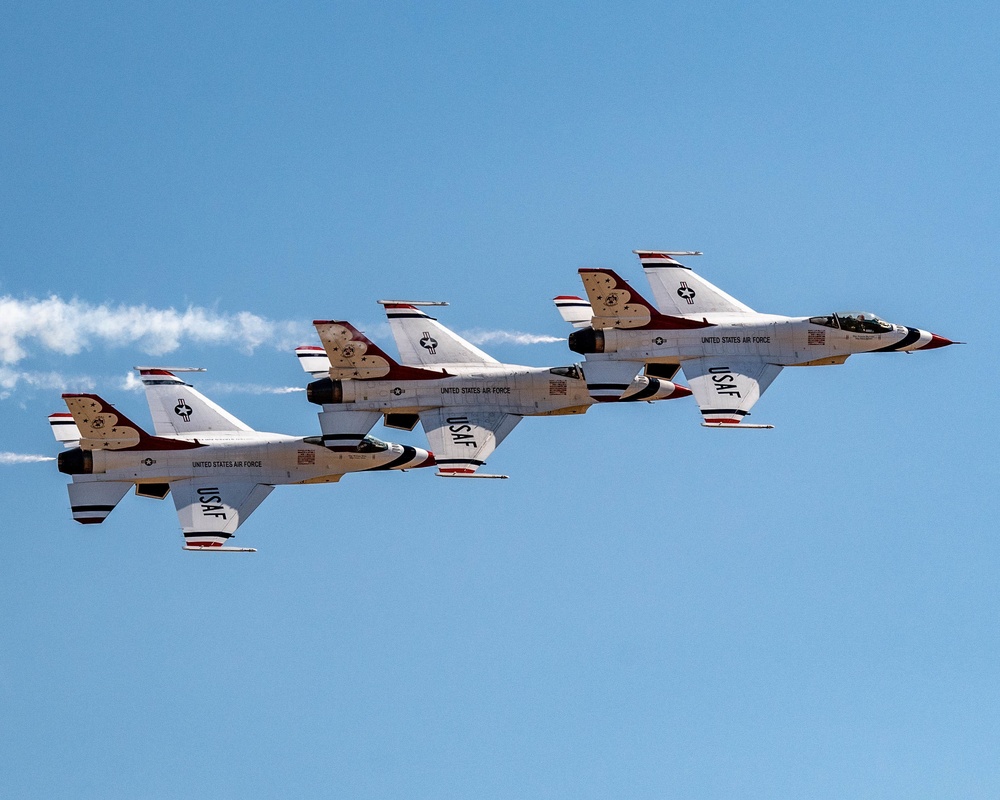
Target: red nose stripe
(935, 342)
(680, 391)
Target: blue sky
(647, 608)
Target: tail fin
(64, 429)
(679, 290)
(617, 305)
(574, 310)
(424, 341)
(104, 427)
(179, 408)
(353, 356)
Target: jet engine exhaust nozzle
(76, 462)
(325, 392)
(587, 340)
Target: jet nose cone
(937, 341)
(680, 391)
(428, 456)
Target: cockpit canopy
(367, 445)
(854, 321)
(568, 372)
(372, 445)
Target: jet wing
(424, 342)
(210, 510)
(463, 438)
(678, 290)
(727, 388)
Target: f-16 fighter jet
(217, 468)
(729, 353)
(466, 400)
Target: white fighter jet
(217, 468)
(466, 400)
(729, 353)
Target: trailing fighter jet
(217, 468)
(466, 400)
(729, 353)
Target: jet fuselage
(512, 389)
(267, 458)
(784, 341)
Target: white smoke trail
(10, 379)
(250, 388)
(22, 458)
(510, 337)
(69, 326)
(132, 384)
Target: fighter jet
(730, 353)
(217, 468)
(467, 401)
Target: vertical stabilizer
(425, 342)
(179, 408)
(680, 290)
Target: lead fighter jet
(730, 353)
(217, 468)
(466, 400)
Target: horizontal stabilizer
(344, 429)
(608, 378)
(574, 310)
(91, 500)
(64, 429)
(313, 360)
